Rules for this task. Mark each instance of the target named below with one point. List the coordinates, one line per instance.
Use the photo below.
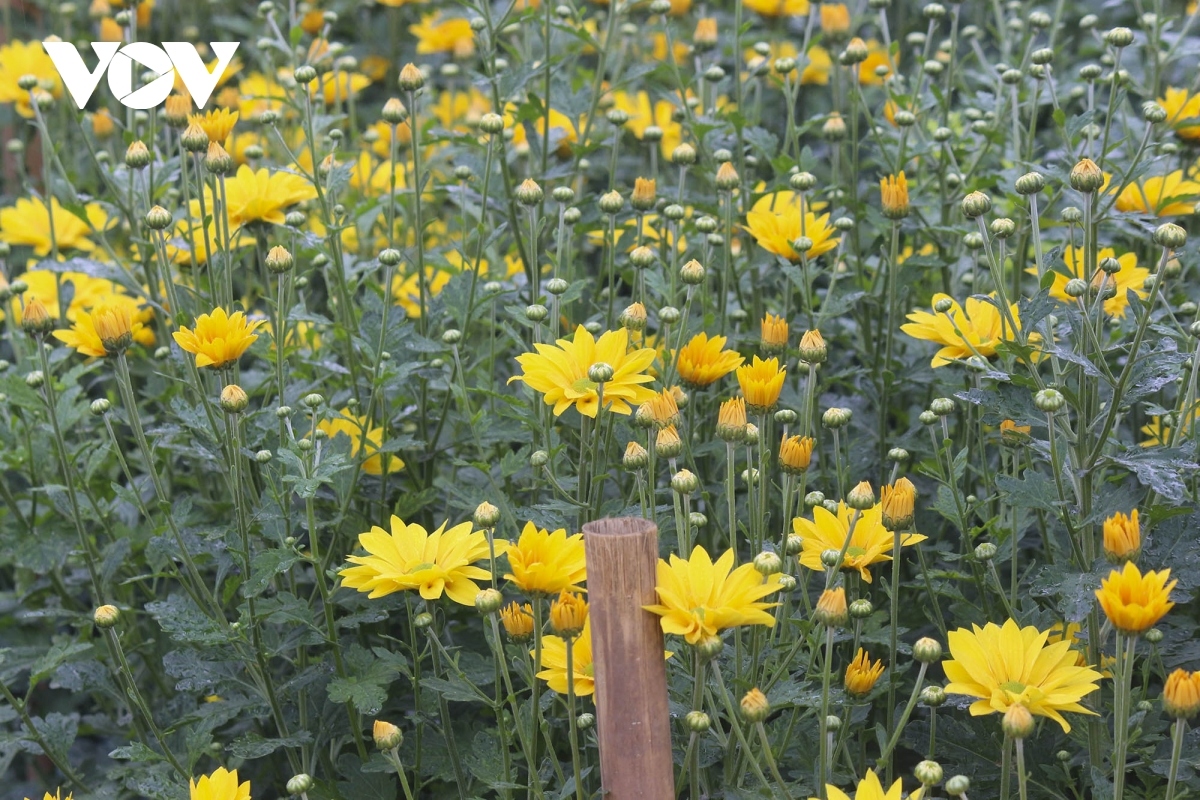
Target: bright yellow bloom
(1159, 432)
(406, 290)
(731, 419)
(220, 785)
(545, 562)
(1162, 195)
(56, 796)
(1130, 276)
(26, 223)
(662, 408)
(452, 35)
(517, 621)
(831, 607)
(861, 674)
(18, 59)
(774, 222)
(877, 56)
(871, 543)
(219, 338)
(1181, 694)
(1010, 665)
(217, 123)
(779, 8)
(761, 382)
(350, 424)
(976, 332)
(554, 663)
(702, 361)
(698, 599)
(260, 93)
(1134, 602)
(835, 19)
(795, 453)
(893, 191)
(560, 372)
(563, 131)
(259, 196)
(412, 558)
(774, 332)
(1122, 537)
(896, 502)
(568, 614)
(83, 337)
(85, 291)
(338, 86)
(1182, 107)
(869, 788)
(643, 113)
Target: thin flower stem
(58, 760)
(770, 758)
(1006, 769)
(460, 778)
(885, 757)
(1022, 779)
(1177, 732)
(135, 695)
(576, 765)
(734, 722)
(1126, 645)
(823, 722)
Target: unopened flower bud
(536, 312)
(755, 706)
(835, 418)
(411, 78)
(611, 202)
(929, 773)
(697, 721)
(529, 193)
(106, 616)
(1170, 236)
(158, 218)
(927, 650)
(861, 497)
(279, 260)
(488, 601)
(684, 482)
(234, 399)
(1017, 722)
(299, 784)
(768, 563)
(1119, 37)
(1049, 400)
(137, 155)
(491, 123)
(976, 204)
(683, 155)
(985, 551)
(861, 609)
(386, 735)
(692, 273)
(957, 785)
(933, 696)
(1086, 176)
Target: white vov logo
(119, 61)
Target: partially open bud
(755, 706)
(898, 502)
(731, 420)
(795, 454)
(831, 608)
(279, 260)
(644, 194)
(137, 155)
(517, 621)
(668, 444)
(1017, 722)
(114, 326)
(727, 177)
(861, 497)
(411, 78)
(684, 482)
(1181, 694)
(705, 35)
(529, 193)
(217, 161)
(486, 515)
(894, 196)
(812, 347)
(35, 319)
(692, 273)
(634, 317)
(234, 399)
(386, 735)
(1122, 537)
(394, 111)
(1086, 176)
(568, 614)
(636, 457)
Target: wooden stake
(632, 719)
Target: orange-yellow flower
(411, 558)
(1134, 602)
(870, 542)
(698, 598)
(545, 562)
(219, 338)
(1183, 112)
(977, 331)
(1181, 694)
(364, 438)
(217, 123)
(776, 223)
(561, 372)
(1009, 665)
(761, 382)
(220, 785)
(861, 674)
(1122, 537)
(453, 35)
(702, 361)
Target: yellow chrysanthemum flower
(761, 382)
(1134, 602)
(861, 674)
(26, 223)
(1122, 537)
(217, 123)
(560, 372)
(220, 785)
(411, 558)
(869, 788)
(775, 223)
(260, 93)
(1182, 108)
(877, 56)
(643, 113)
(108, 321)
(219, 338)
(56, 796)
(18, 59)
(1161, 195)
(1009, 665)
(259, 196)
(779, 8)
(406, 289)
(554, 663)
(338, 86)
(702, 361)
(1181, 695)
(545, 562)
(1130, 276)
(453, 35)
(870, 543)
(1158, 432)
(698, 598)
(352, 425)
(977, 331)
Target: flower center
(584, 385)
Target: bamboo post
(632, 719)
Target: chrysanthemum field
(883, 313)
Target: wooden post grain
(632, 718)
